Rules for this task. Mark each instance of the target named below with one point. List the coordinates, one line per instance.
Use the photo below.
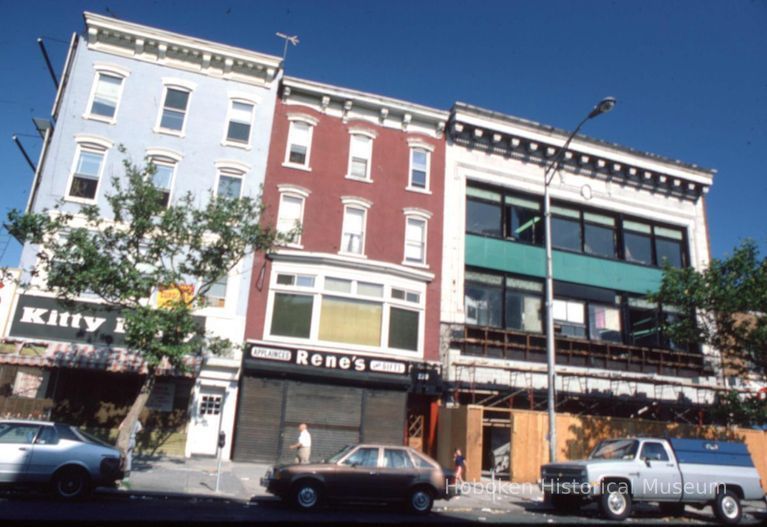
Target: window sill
(234, 144)
(418, 190)
(416, 264)
(165, 131)
(297, 167)
(81, 201)
(361, 180)
(352, 255)
(100, 118)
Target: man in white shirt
(304, 445)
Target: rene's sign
(333, 361)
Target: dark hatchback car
(363, 473)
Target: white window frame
(113, 71)
(316, 291)
(168, 158)
(232, 169)
(417, 215)
(179, 85)
(311, 122)
(300, 193)
(418, 144)
(93, 144)
(242, 99)
(357, 204)
(370, 135)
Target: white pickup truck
(672, 472)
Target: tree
(729, 298)
(145, 245)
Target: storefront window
(403, 329)
(523, 305)
(292, 315)
(350, 321)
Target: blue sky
(690, 76)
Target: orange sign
(171, 294)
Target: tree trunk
(123, 438)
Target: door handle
(633, 474)
(23, 448)
(670, 465)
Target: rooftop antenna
(292, 39)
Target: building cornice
(149, 44)
(476, 128)
(286, 255)
(386, 111)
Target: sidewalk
(241, 481)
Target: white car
(62, 456)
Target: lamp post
(604, 106)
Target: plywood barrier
(577, 435)
(461, 427)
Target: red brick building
(343, 322)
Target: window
(229, 185)
(643, 327)
(290, 215)
(106, 95)
(18, 433)
(174, 109)
(637, 242)
(216, 295)
(524, 221)
(483, 212)
(162, 178)
(299, 140)
(484, 299)
(86, 174)
(565, 229)
(570, 316)
(346, 310)
(292, 315)
(360, 150)
(240, 122)
(668, 247)
(396, 458)
(415, 241)
(419, 168)
(653, 452)
(363, 457)
(353, 238)
(523, 305)
(605, 323)
(403, 328)
(337, 313)
(599, 234)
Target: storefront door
(206, 421)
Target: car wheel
(616, 503)
(71, 483)
(421, 500)
(727, 508)
(307, 495)
(672, 509)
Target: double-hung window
(416, 227)
(299, 142)
(229, 184)
(216, 295)
(105, 95)
(353, 239)
(291, 212)
(419, 168)
(360, 152)
(174, 109)
(164, 169)
(240, 122)
(87, 168)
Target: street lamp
(604, 106)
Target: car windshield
(338, 455)
(615, 449)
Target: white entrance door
(206, 421)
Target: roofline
(551, 130)
(424, 112)
(113, 24)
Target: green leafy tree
(145, 246)
(730, 300)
